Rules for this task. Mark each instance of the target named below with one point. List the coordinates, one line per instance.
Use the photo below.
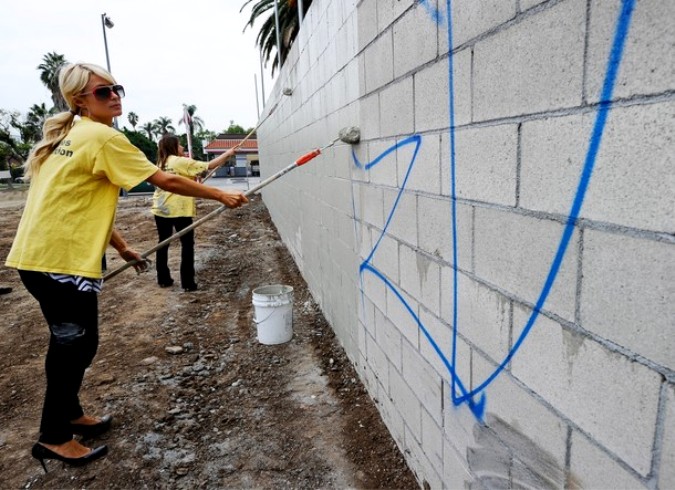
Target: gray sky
(164, 52)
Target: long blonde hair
(73, 78)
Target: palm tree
(288, 27)
(49, 74)
(194, 121)
(133, 119)
(31, 129)
(163, 126)
(150, 129)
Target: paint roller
(350, 135)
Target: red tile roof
(219, 144)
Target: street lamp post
(106, 22)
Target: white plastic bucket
(273, 313)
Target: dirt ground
(197, 401)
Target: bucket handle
(268, 317)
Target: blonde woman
(175, 212)
(76, 172)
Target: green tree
(10, 146)
(149, 129)
(163, 125)
(267, 36)
(206, 135)
(49, 75)
(235, 129)
(197, 146)
(143, 143)
(196, 122)
(133, 119)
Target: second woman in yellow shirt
(175, 212)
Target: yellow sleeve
(187, 167)
(122, 163)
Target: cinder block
(352, 82)
(346, 230)
(361, 60)
(431, 97)
(410, 274)
(390, 10)
(388, 339)
(399, 307)
(628, 293)
(415, 40)
(423, 380)
(538, 63)
(633, 179)
(552, 156)
(432, 440)
(369, 116)
(391, 416)
(455, 471)
(385, 171)
(462, 80)
(484, 318)
(420, 277)
(592, 468)
(460, 426)
(375, 290)
(380, 62)
(667, 467)
(377, 360)
(338, 195)
(406, 403)
(369, 206)
(435, 230)
(439, 336)
(486, 164)
(401, 214)
(527, 4)
(515, 253)
(343, 257)
(534, 434)
(610, 397)
(363, 241)
(620, 190)
(471, 18)
(647, 65)
(396, 108)
(427, 475)
(422, 169)
(385, 258)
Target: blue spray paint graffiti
(460, 394)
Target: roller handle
(307, 157)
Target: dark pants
(165, 227)
(72, 317)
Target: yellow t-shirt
(169, 205)
(70, 208)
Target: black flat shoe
(95, 430)
(165, 284)
(191, 287)
(41, 453)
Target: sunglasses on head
(104, 92)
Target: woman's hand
(232, 199)
(129, 255)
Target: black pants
(165, 227)
(72, 317)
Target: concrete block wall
(497, 254)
